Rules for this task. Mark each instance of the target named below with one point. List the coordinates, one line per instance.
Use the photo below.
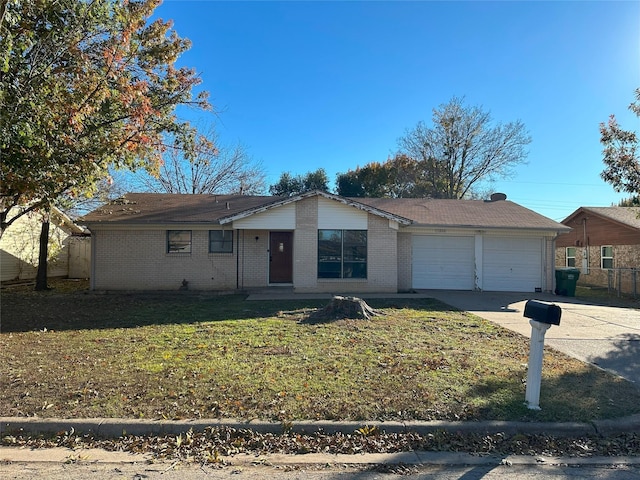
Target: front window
(178, 241)
(342, 254)
(220, 241)
(571, 256)
(606, 256)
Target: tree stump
(341, 308)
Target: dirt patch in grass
(197, 355)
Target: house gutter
(558, 230)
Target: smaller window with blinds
(606, 256)
(571, 257)
(220, 241)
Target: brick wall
(138, 260)
(305, 245)
(625, 259)
(404, 262)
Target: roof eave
(491, 227)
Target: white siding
(332, 214)
(278, 218)
(19, 249)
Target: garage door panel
(440, 262)
(512, 264)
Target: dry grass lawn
(72, 353)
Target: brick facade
(143, 255)
(593, 228)
(131, 242)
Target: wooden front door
(281, 257)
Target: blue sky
(305, 85)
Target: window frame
(604, 257)
(221, 241)
(567, 257)
(172, 242)
(347, 258)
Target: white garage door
(511, 264)
(441, 262)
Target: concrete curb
(116, 427)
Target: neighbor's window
(342, 254)
(220, 241)
(606, 256)
(571, 256)
(178, 241)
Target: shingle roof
(158, 208)
(167, 208)
(626, 215)
(465, 213)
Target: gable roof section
(346, 201)
(479, 214)
(627, 216)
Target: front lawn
(69, 353)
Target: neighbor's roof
(159, 208)
(629, 216)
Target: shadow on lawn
(29, 311)
(591, 394)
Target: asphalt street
(95, 464)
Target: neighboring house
(69, 248)
(603, 243)
(319, 242)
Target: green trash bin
(566, 279)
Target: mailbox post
(541, 317)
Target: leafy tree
(398, 177)
(630, 202)
(620, 154)
(462, 148)
(289, 185)
(208, 168)
(85, 85)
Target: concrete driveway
(606, 336)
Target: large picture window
(220, 241)
(342, 254)
(178, 241)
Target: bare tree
(464, 148)
(211, 168)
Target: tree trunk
(341, 308)
(41, 276)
